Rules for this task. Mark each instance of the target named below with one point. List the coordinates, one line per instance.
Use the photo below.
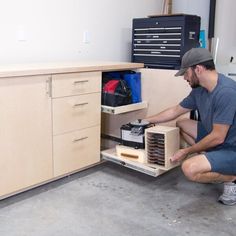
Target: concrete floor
(110, 200)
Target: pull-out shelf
(126, 108)
(149, 169)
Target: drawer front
(154, 35)
(76, 112)
(76, 150)
(75, 84)
(161, 24)
(173, 42)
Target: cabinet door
(25, 133)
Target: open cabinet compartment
(161, 143)
(155, 83)
(114, 99)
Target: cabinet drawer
(76, 150)
(75, 83)
(76, 112)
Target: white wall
(194, 7)
(225, 30)
(52, 30)
(225, 18)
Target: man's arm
(216, 137)
(168, 114)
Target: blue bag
(133, 80)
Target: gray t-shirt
(216, 107)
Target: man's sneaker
(229, 195)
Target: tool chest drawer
(75, 83)
(162, 22)
(76, 112)
(161, 41)
(76, 150)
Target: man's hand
(179, 155)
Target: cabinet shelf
(150, 169)
(125, 108)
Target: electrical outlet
(86, 36)
(21, 33)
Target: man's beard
(195, 79)
(195, 86)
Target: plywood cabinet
(25, 133)
(50, 119)
(40, 114)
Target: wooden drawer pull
(80, 104)
(129, 155)
(80, 81)
(79, 139)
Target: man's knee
(195, 166)
(181, 123)
(190, 170)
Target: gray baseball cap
(193, 57)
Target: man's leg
(198, 169)
(188, 130)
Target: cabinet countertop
(13, 70)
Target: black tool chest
(161, 41)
